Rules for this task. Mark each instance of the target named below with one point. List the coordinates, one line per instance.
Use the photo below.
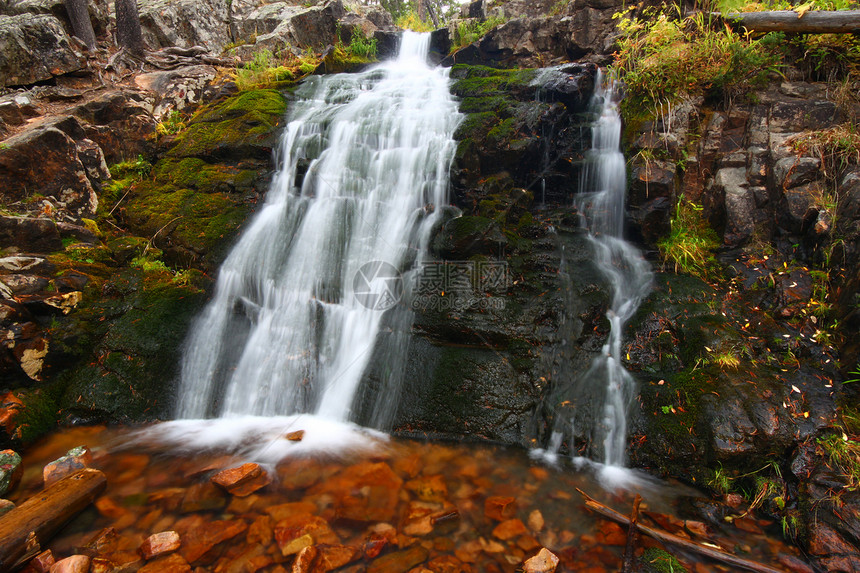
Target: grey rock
(35, 47)
(790, 172)
(185, 23)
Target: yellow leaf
(802, 9)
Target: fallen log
(25, 530)
(810, 22)
(666, 537)
(628, 563)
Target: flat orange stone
(172, 563)
(509, 529)
(499, 508)
(159, 544)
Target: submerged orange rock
(243, 480)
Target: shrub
(662, 59)
(690, 245)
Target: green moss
(654, 560)
(138, 350)
(38, 417)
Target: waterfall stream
(594, 405)
(604, 181)
(364, 161)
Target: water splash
(365, 159)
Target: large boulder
(34, 48)
(314, 27)
(185, 23)
(46, 160)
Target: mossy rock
(138, 351)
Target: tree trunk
(82, 27)
(812, 22)
(128, 34)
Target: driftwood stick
(811, 22)
(26, 529)
(666, 537)
(627, 565)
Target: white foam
(260, 439)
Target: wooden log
(26, 529)
(666, 537)
(628, 564)
(811, 22)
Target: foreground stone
(544, 562)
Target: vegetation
(663, 58)
(264, 72)
(470, 31)
(171, 125)
(844, 455)
(690, 245)
(411, 21)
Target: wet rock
(103, 542)
(509, 529)
(25, 284)
(119, 123)
(334, 557)
(117, 561)
(200, 536)
(203, 497)
(29, 234)
(296, 436)
(298, 531)
(73, 564)
(832, 551)
(11, 470)
(305, 560)
(374, 490)
(41, 563)
(500, 508)
(170, 564)
(544, 562)
(75, 459)
(398, 561)
(35, 48)
(536, 521)
(243, 480)
(430, 488)
(159, 544)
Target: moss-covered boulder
(203, 188)
(524, 122)
(722, 385)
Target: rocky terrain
(125, 181)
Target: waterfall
(363, 163)
(594, 404)
(604, 181)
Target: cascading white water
(602, 207)
(284, 332)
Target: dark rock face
(490, 311)
(536, 34)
